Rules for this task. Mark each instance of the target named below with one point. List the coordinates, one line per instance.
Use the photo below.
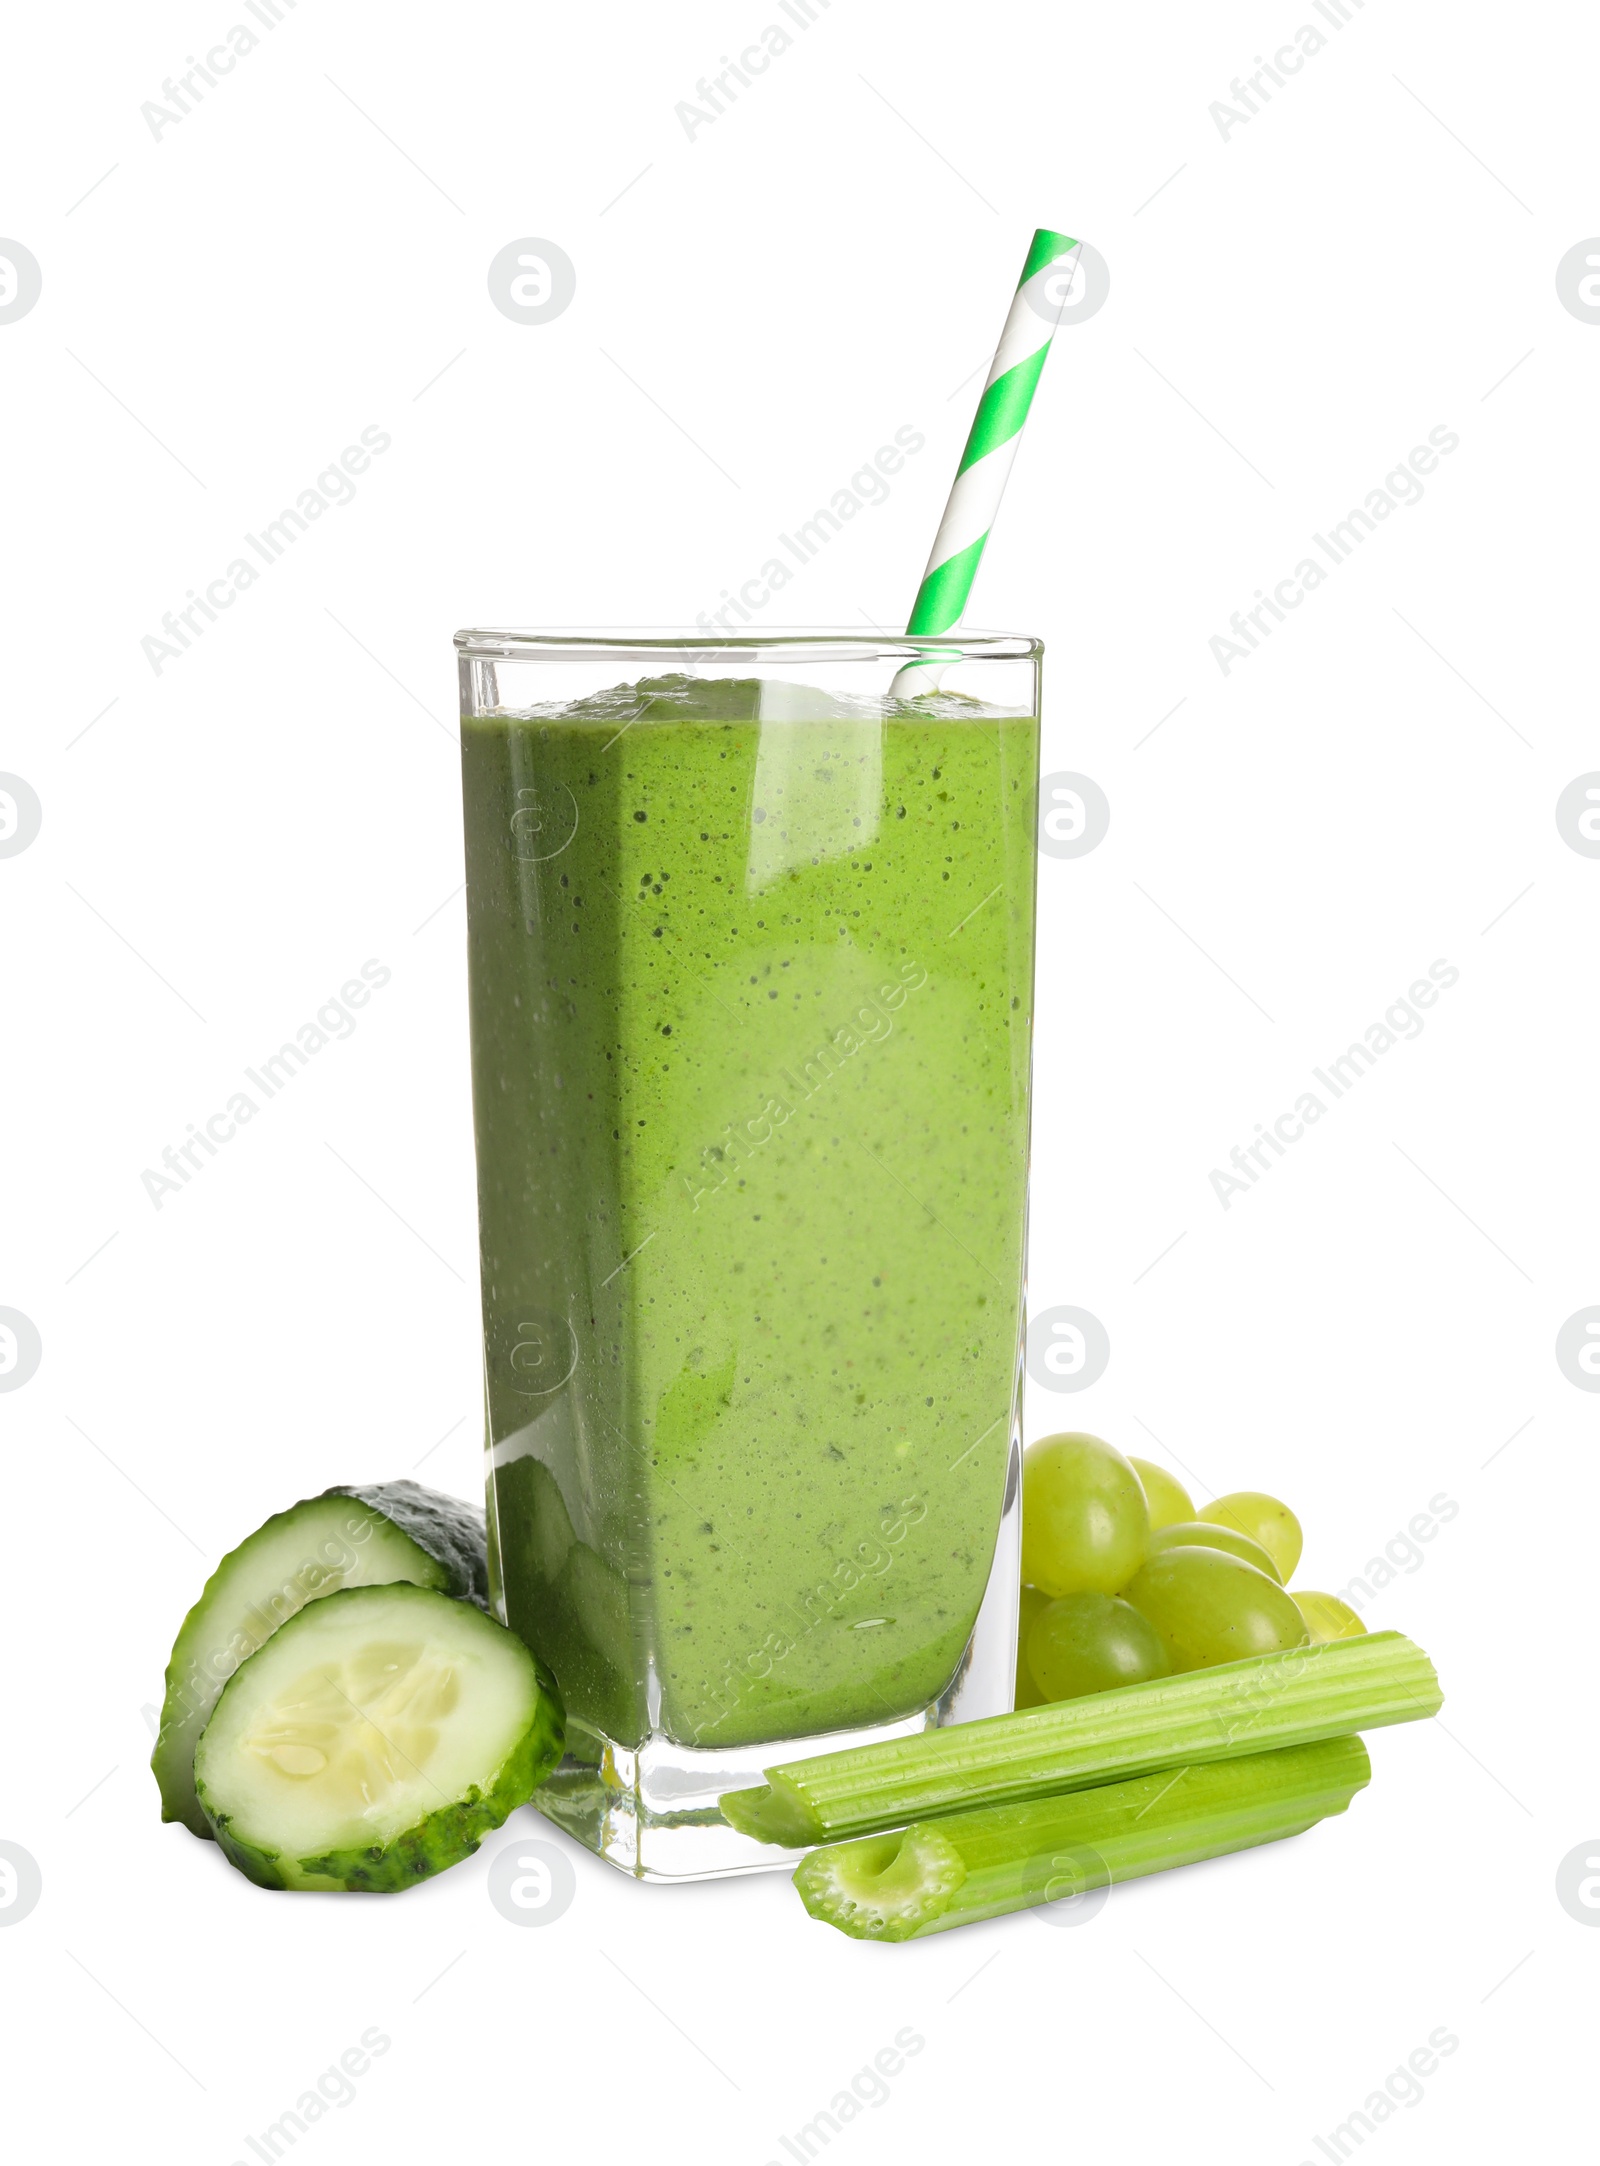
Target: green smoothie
(750, 1031)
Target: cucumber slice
(343, 1538)
(374, 1740)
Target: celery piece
(973, 1865)
(1291, 1697)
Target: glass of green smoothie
(750, 931)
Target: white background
(1292, 308)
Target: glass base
(653, 1810)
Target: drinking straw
(969, 515)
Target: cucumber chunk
(343, 1538)
(374, 1740)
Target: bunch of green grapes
(1124, 1580)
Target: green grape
(1091, 1642)
(1209, 1607)
(1163, 1493)
(1085, 1525)
(1264, 1520)
(1195, 1533)
(1030, 1603)
(1327, 1618)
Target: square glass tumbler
(750, 928)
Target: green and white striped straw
(996, 428)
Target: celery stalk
(1292, 1697)
(967, 1866)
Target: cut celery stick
(1292, 1697)
(967, 1866)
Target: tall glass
(751, 965)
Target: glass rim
(507, 643)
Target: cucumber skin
(441, 1840)
(446, 1528)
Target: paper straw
(980, 479)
